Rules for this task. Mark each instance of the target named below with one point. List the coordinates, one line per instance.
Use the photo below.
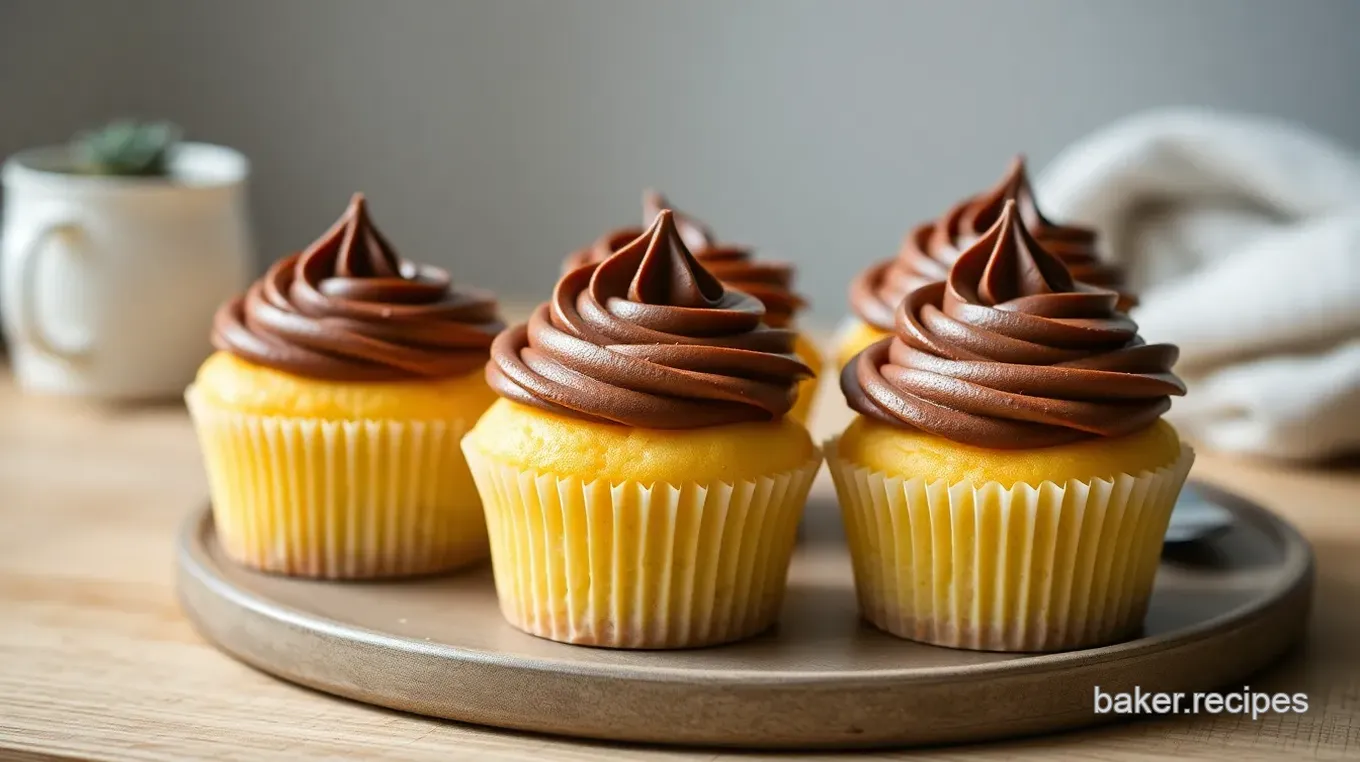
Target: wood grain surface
(97, 662)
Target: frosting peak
(348, 308)
(1010, 352)
(985, 209)
(696, 235)
(1015, 265)
(931, 249)
(360, 251)
(649, 338)
(667, 272)
(735, 266)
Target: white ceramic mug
(108, 285)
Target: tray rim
(713, 707)
(1298, 575)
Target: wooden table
(96, 661)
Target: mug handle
(27, 326)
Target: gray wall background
(494, 137)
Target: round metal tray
(1223, 608)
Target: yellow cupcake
(327, 479)
(331, 446)
(1042, 550)
(644, 492)
(609, 535)
(1008, 483)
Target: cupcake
(1008, 480)
(331, 413)
(641, 479)
(928, 252)
(737, 268)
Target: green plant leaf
(127, 148)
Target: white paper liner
(630, 565)
(1026, 568)
(339, 499)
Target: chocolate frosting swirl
(931, 248)
(1010, 352)
(649, 338)
(349, 309)
(769, 281)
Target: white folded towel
(1242, 237)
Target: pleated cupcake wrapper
(339, 499)
(1050, 567)
(630, 565)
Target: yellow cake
(855, 339)
(807, 351)
(890, 449)
(330, 417)
(532, 439)
(1008, 481)
(641, 478)
(231, 383)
